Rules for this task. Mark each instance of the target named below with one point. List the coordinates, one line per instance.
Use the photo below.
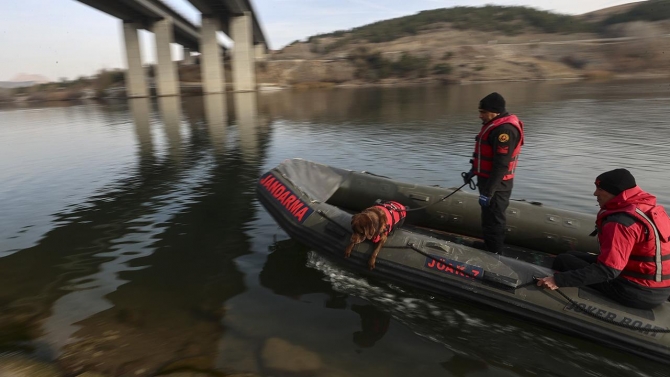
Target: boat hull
(422, 257)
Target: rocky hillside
(464, 44)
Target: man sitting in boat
(633, 231)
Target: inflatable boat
(438, 249)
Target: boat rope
(609, 320)
(443, 198)
(323, 214)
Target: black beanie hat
(494, 103)
(615, 181)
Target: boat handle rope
(608, 320)
(443, 198)
(320, 212)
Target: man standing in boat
(633, 231)
(497, 148)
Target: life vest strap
(640, 258)
(639, 275)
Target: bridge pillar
(167, 83)
(136, 82)
(244, 67)
(211, 63)
(259, 52)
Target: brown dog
(375, 224)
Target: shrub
(408, 65)
(442, 69)
(574, 62)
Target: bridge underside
(234, 17)
(224, 10)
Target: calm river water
(132, 243)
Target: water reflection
(246, 113)
(216, 111)
(139, 108)
(400, 105)
(170, 111)
(150, 251)
(290, 256)
(140, 272)
(483, 340)
(374, 324)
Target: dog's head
(364, 226)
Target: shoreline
(193, 89)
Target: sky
(67, 39)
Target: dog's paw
(348, 250)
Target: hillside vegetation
(463, 44)
(652, 10)
(492, 19)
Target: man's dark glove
(467, 177)
(484, 201)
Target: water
(132, 243)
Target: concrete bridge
(235, 18)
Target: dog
(375, 223)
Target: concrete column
(259, 52)
(136, 82)
(188, 59)
(211, 63)
(167, 82)
(244, 68)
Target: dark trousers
(494, 222)
(619, 289)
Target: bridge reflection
(141, 270)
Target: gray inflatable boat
(438, 249)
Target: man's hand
(467, 177)
(548, 282)
(484, 201)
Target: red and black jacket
(628, 249)
(395, 216)
(634, 237)
(482, 162)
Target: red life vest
(482, 164)
(395, 214)
(649, 261)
